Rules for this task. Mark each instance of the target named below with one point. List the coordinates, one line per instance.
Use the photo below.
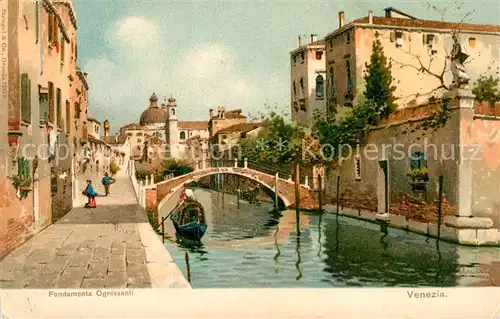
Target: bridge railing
(284, 174)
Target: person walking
(106, 182)
(91, 194)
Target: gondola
(189, 220)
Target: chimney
(106, 128)
(211, 113)
(313, 38)
(341, 19)
(370, 17)
(300, 41)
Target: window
(302, 86)
(399, 39)
(319, 54)
(429, 40)
(357, 168)
(62, 50)
(77, 110)
(139, 140)
(243, 134)
(68, 117)
(294, 90)
(348, 37)
(320, 90)
(129, 134)
(59, 110)
(25, 98)
(418, 161)
(331, 44)
(348, 73)
(51, 26)
(294, 59)
(182, 136)
(23, 168)
(173, 111)
(330, 83)
(43, 100)
(302, 57)
(51, 103)
(224, 137)
(472, 42)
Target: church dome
(153, 114)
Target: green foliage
(281, 141)
(23, 184)
(438, 119)
(176, 167)
(487, 89)
(378, 79)
(141, 175)
(349, 131)
(114, 167)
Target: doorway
(383, 187)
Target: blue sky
(232, 53)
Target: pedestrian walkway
(110, 246)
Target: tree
(486, 89)
(378, 79)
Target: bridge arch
(180, 181)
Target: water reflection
(257, 246)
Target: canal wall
(465, 237)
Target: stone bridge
(164, 195)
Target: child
(91, 194)
(106, 182)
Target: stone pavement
(94, 248)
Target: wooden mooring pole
(297, 197)
(320, 193)
(276, 192)
(440, 205)
(338, 193)
(186, 257)
(163, 229)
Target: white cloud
(135, 33)
(200, 78)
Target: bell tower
(171, 129)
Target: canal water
(250, 246)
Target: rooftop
(232, 114)
(192, 125)
(416, 24)
(114, 139)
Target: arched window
(173, 111)
(294, 90)
(183, 135)
(320, 90)
(348, 73)
(302, 85)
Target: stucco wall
(485, 134)
(409, 81)
(399, 142)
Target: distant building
(308, 94)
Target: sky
(211, 53)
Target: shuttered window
(25, 98)
(23, 168)
(43, 99)
(62, 50)
(59, 110)
(51, 103)
(68, 117)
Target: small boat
(189, 220)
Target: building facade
(37, 157)
(308, 95)
(409, 44)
